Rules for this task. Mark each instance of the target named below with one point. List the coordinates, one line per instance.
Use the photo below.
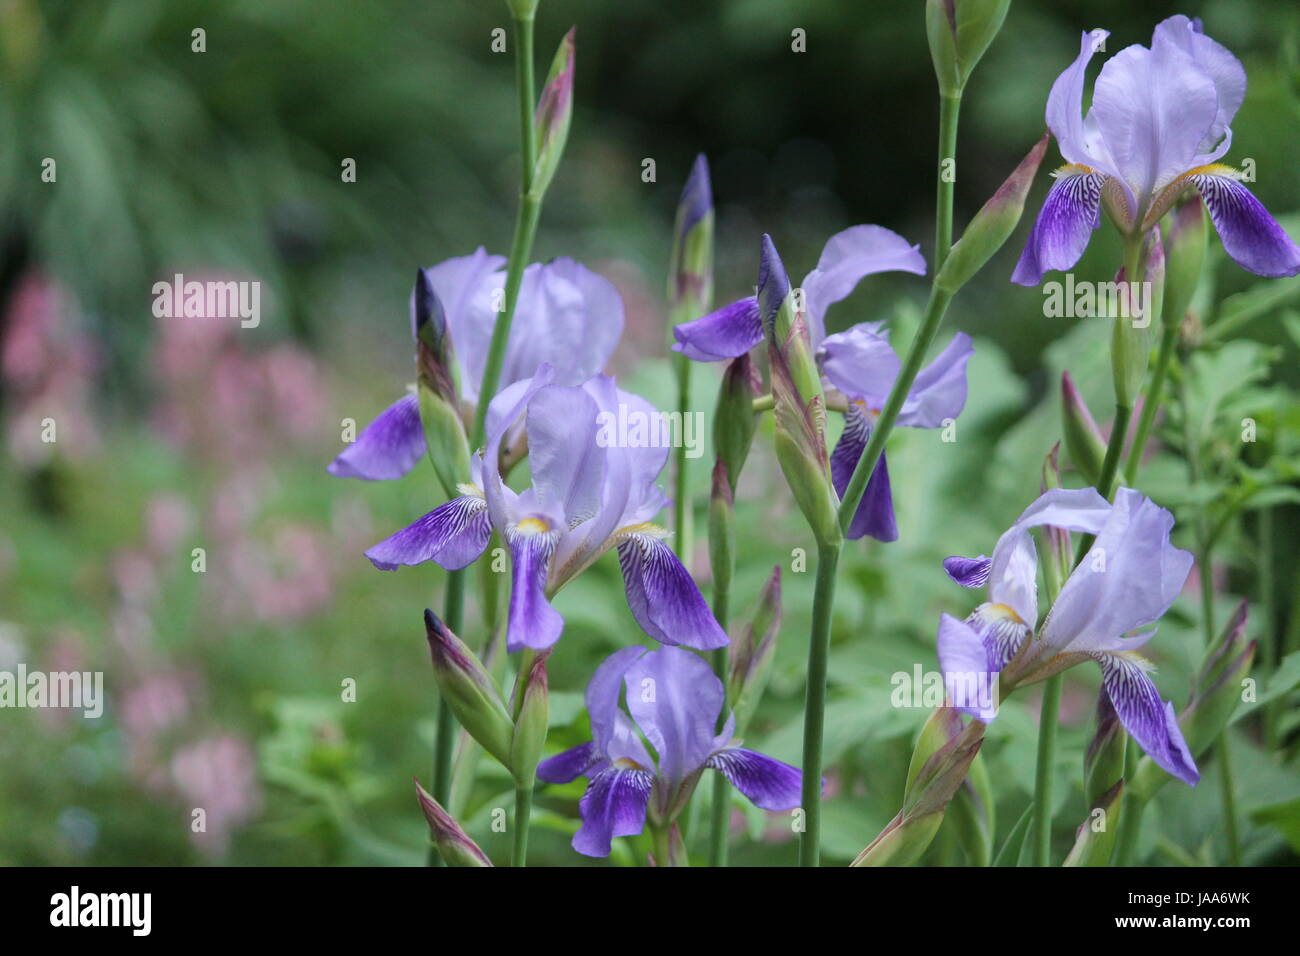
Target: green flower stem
(720, 816)
(523, 811)
(764, 403)
(1228, 794)
(682, 513)
(934, 312)
(949, 108)
(1151, 402)
(828, 556)
(525, 77)
(1047, 724)
(1130, 818)
(445, 735)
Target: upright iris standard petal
(603, 692)
(663, 596)
(387, 448)
(675, 698)
(1076, 138)
(1070, 213)
(1150, 720)
(1215, 61)
(727, 333)
(567, 463)
(860, 362)
(875, 514)
(939, 392)
(769, 783)
(532, 621)
(613, 806)
(1250, 235)
(1127, 581)
(468, 288)
(847, 258)
(453, 535)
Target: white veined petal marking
(1002, 630)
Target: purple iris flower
(1126, 582)
(858, 362)
(674, 699)
(592, 490)
(1158, 123)
(566, 316)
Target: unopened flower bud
(1083, 439)
(752, 653)
(531, 720)
(456, 847)
(469, 690)
(554, 113)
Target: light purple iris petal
(1250, 235)
(1153, 108)
(602, 695)
(1150, 720)
(1071, 211)
(466, 287)
(768, 783)
(847, 258)
(1126, 581)
(939, 393)
(968, 572)
(860, 362)
(964, 661)
(1077, 141)
(387, 448)
(453, 535)
(569, 764)
(1212, 59)
(875, 514)
(568, 317)
(664, 597)
(730, 331)
(503, 411)
(675, 698)
(532, 622)
(613, 806)
(567, 463)
(1013, 572)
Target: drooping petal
(663, 596)
(1002, 630)
(875, 514)
(675, 698)
(1250, 235)
(568, 317)
(730, 331)
(964, 662)
(1212, 59)
(613, 806)
(453, 535)
(569, 764)
(1071, 211)
(968, 572)
(768, 783)
(532, 621)
(847, 258)
(860, 362)
(1153, 108)
(1013, 572)
(939, 393)
(1150, 720)
(387, 448)
(1126, 581)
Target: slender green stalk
(949, 108)
(523, 811)
(1223, 748)
(1151, 402)
(1130, 818)
(1042, 828)
(445, 735)
(934, 312)
(682, 514)
(525, 77)
(720, 816)
(814, 715)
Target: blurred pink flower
(217, 775)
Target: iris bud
(1083, 438)
(469, 690)
(734, 421)
(554, 113)
(959, 32)
(1095, 838)
(456, 847)
(1103, 761)
(752, 652)
(1184, 256)
(532, 719)
(690, 273)
(992, 225)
